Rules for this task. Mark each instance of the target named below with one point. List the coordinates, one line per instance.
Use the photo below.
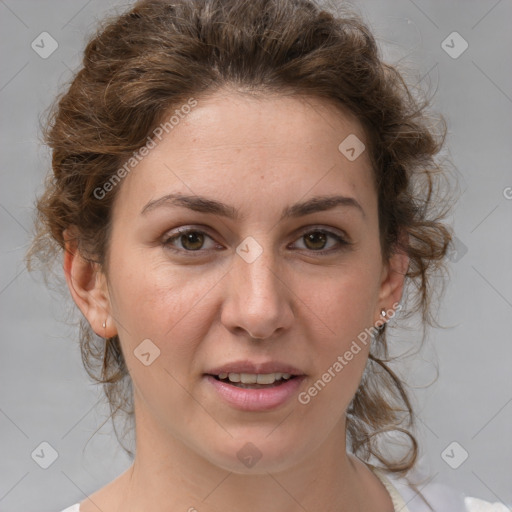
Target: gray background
(45, 395)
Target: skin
(291, 304)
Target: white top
(406, 499)
(440, 497)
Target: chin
(258, 453)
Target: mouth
(254, 381)
(255, 387)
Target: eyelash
(343, 243)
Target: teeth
(252, 378)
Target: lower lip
(247, 399)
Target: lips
(265, 367)
(236, 383)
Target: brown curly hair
(150, 59)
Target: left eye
(318, 236)
(193, 239)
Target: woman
(242, 193)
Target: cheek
(162, 303)
(345, 307)
(341, 328)
(160, 324)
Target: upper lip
(256, 368)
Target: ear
(392, 281)
(88, 287)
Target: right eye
(190, 239)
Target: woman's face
(267, 281)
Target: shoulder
(422, 494)
(73, 508)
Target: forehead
(231, 122)
(274, 145)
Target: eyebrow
(206, 205)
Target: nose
(259, 301)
